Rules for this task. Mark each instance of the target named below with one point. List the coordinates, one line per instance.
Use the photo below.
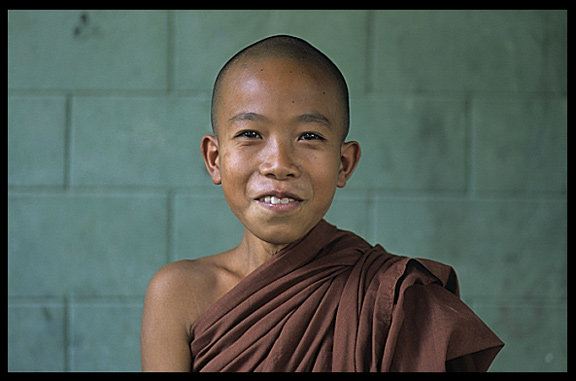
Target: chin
(281, 232)
(279, 235)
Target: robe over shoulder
(333, 302)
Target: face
(278, 152)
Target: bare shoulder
(176, 297)
(182, 273)
(185, 285)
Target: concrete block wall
(462, 117)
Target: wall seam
(68, 142)
(170, 53)
(369, 54)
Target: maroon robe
(333, 302)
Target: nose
(278, 161)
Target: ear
(211, 154)
(350, 156)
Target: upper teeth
(276, 200)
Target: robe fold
(333, 302)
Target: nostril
(279, 160)
(278, 173)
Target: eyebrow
(313, 118)
(304, 118)
(247, 116)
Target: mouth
(278, 201)
(275, 200)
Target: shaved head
(285, 47)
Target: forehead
(272, 78)
(280, 67)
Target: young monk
(297, 294)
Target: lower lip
(279, 207)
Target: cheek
(326, 166)
(234, 182)
(232, 165)
(236, 170)
(324, 173)
(231, 172)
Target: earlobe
(350, 156)
(211, 153)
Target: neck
(253, 252)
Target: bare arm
(166, 321)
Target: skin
(279, 127)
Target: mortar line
(170, 59)
(170, 234)
(369, 54)
(68, 334)
(68, 142)
(469, 153)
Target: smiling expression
(279, 153)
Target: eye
(310, 136)
(249, 134)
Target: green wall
(462, 117)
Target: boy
(298, 294)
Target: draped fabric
(333, 302)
